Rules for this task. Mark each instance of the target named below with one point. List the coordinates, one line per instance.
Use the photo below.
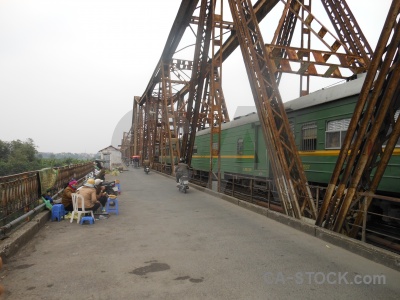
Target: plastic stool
(110, 208)
(87, 218)
(118, 185)
(57, 212)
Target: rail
(387, 235)
(20, 193)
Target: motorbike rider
(136, 161)
(146, 163)
(181, 169)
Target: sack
(47, 204)
(68, 216)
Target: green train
(319, 122)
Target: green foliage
(18, 157)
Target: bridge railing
(21, 193)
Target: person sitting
(100, 193)
(136, 162)
(181, 169)
(88, 191)
(47, 196)
(67, 195)
(101, 175)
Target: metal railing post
(364, 221)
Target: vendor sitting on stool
(100, 193)
(88, 192)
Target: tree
(4, 151)
(18, 157)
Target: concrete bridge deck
(169, 245)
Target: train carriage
(319, 122)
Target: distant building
(112, 157)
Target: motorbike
(110, 187)
(147, 169)
(183, 185)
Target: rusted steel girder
(181, 22)
(149, 127)
(308, 67)
(125, 145)
(136, 130)
(362, 160)
(170, 136)
(289, 175)
(198, 76)
(347, 37)
(140, 130)
(348, 30)
(216, 100)
(284, 33)
(146, 135)
(261, 9)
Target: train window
(291, 125)
(239, 146)
(194, 149)
(335, 133)
(396, 116)
(215, 148)
(309, 136)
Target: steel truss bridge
(185, 94)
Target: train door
(261, 163)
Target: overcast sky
(69, 69)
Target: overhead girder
(309, 67)
(283, 54)
(179, 26)
(284, 34)
(364, 157)
(348, 30)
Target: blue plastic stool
(112, 209)
(86, 218)
(57, 212)
(118, 185)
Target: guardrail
(21, 193)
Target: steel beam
(287, 168)
(361, 162)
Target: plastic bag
(47, 204)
